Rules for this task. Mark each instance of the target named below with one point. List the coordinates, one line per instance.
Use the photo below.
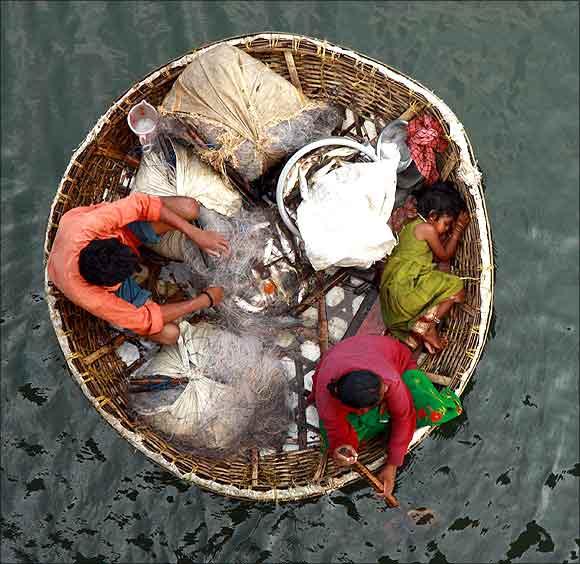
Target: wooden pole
(105, 349)
(301, 408)
(321, 467)
(377, 485)
(322, 319)
(439, 379)
(294, 78)
(312, 298)
(255, 461)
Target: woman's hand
(387, 476)
(212, 243)
(345, 455)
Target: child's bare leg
(167, 336)
(185, 207)
(433, 341)
(444, 307)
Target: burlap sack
(249, 116)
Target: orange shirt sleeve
(144, 320)
(108, 218)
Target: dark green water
(503, 481)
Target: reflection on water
(501, 482)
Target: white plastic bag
(343, 217)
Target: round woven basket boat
(101, 169)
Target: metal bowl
(396, 132)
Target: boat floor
(351, 309)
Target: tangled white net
(235, 397)
(258, 278)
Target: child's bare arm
(443, 251)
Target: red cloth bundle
(425, 136)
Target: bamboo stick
(301, 415)
(333, 281)
(321, 467)
(377, 485)
(117, 155)
(105, 349)
(439, 379)
(294, 78)
(255, 456)
(322, 321)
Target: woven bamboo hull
(100, 170)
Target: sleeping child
(415, 294)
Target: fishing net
(235, 398)
(259, 277)
(244, 113)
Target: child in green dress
(415, 294)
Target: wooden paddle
(361, 469)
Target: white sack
(343, 216)
(192, 178)
(235, 396)
(196, 415)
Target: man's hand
(387, 476)
(216, 293)
(345, 455)
(212, 243)
(171, 312)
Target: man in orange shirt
(95, 253)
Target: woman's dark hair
(105, 262)
(359, 388)
(440, 198)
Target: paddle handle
(377, 485)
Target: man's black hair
(359, 388)
(105, 262)
(440, 198)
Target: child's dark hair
(105, 262)
(358, 389)
(440, 198)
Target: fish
(303, 185)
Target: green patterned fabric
(433, 409)
(411, 284)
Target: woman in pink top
(354, 377)
(95, 252)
